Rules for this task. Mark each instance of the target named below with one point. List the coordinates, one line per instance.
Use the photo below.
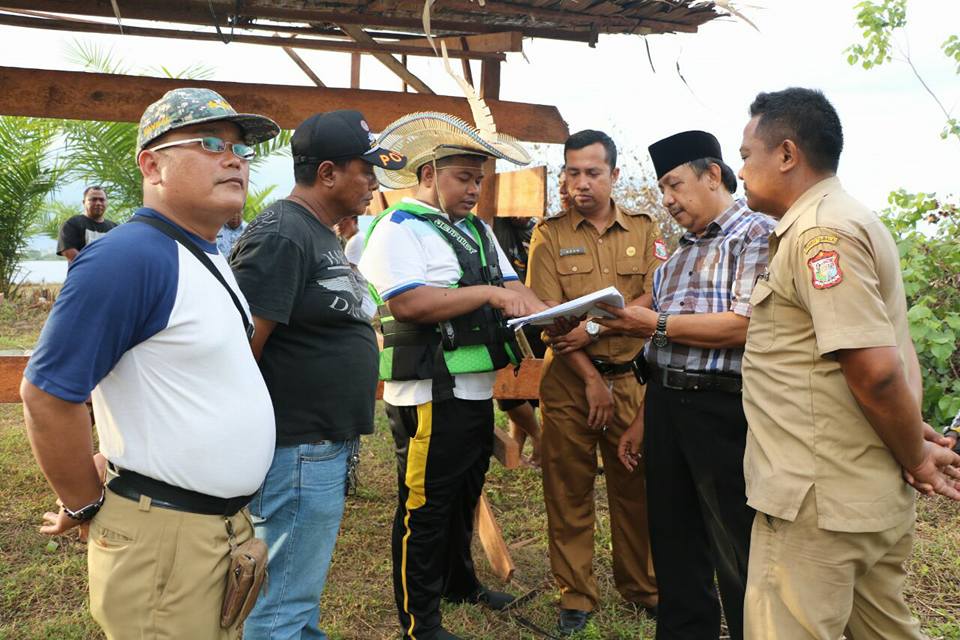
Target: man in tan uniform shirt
(831, 394)
(588, 392)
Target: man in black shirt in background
(79, 231)
(318, 354)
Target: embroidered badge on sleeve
(660, 249)
(825, 269)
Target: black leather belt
(132, 485)
(681, 380)
(605, 368)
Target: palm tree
(29, 172)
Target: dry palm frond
(427, 6)
(482, 117)
(728, 6)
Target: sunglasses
(214, 145)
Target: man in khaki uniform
(588, 392)
(831, 394)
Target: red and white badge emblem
(825, 269)
(660, 249)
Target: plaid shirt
(712, 273)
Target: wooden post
(354, 70)
(490, 80)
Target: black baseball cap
(340, 135)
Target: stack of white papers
(584, 305)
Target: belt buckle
(666, 380)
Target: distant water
(44, 271)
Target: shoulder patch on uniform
(813, 242)
(660, 249)
(825, 269)
(400, 215)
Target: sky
(891, 125)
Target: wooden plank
(98, 96)
(369, 46)
(491, 539)
(506, 449)
(520, 193)
(11, 371)
(387, 60)
(487, 42)
(490, 80)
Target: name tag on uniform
(573, 251)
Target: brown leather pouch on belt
(248, 571)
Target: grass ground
(43, 589)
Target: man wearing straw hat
(444, 287)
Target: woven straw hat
(427, 136)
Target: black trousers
(443, 451)
(699, 519)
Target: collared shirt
(570, 258)
(404, 252)
(712, 273)
(228, 237)
(834, 283)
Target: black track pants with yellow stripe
(443, 451)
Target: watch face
(592, 328)
(660, 340)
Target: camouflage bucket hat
(182, 107)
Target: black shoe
(572, 620)
(443, 634)
(495, 600)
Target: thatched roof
(578, 20)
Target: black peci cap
(680, 148)
(340, 135)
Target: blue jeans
(297, 512)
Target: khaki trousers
(805, 582)
(569, 462)
(158, 574)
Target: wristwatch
(86, 513)
(593, 330)
(660, 338)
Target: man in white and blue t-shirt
(182, 412)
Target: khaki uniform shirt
(833, 283)
(569, 258)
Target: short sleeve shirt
(569, 258)
(404, 252)
(79, 231)
(833, 283)
(156, 338)
(320, 361)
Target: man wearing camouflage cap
(182, 412)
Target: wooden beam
(98, 96)
(490, 80)
(400, 69)
(305, 67)
(506, 449)
(186, 12)
(11, 371)
(368, 46)
(491, 539)
(355, 70)
(506, 41)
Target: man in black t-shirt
(79, 231)
(318, 354)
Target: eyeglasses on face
(213, 145)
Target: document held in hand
(584, 305)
